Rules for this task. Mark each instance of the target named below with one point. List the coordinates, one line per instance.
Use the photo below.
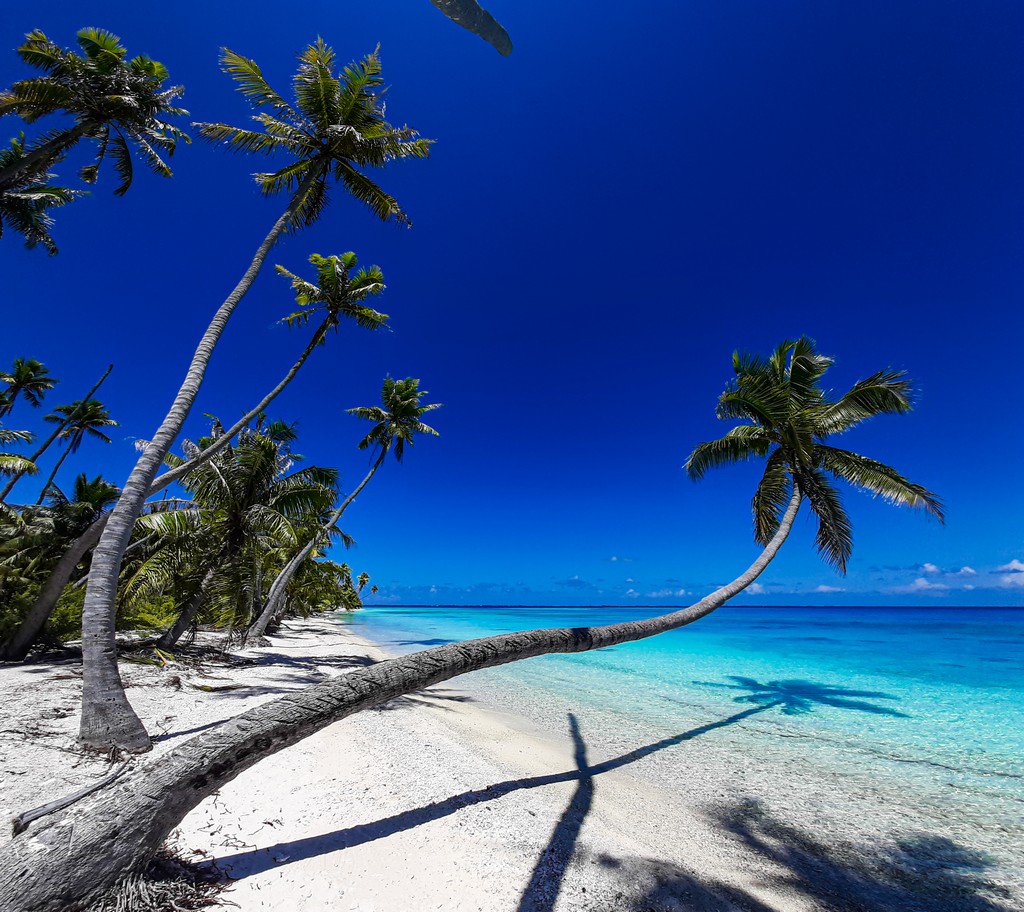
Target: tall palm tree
(26, 200)
(789, 416)
(80, 419)
(336, 127)
(396, 424)
(113, 100)
(27, 379)
(130, 820)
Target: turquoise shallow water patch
(916, 713)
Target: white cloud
(755, 589)
(433, 589)
(968, 587)
(968, 571)
(929, 568)
(1015, 566)
(613, 558)
(630, 579)
(830, 589)
(1013, 579)
(666, 593)
(632, 593)
(922, 585)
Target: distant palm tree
(336, 128)
(790, 418)
(112, 100)
(81, 419)
(362, 579)
(27, 379)
(396, 423)
(26, 200)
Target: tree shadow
(545, 882)
(797, 697)
(920, 873)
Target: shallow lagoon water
(874, 724)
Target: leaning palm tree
(788, 417)
(396, 424)
(79, 420)
(26, 200)
(129, 819)
(336, 128)
(27, 379)
(114, 101)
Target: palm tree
(396, 423)
(27, 379)
(79, 419)
(129, 821)
(336, 128)
(61, 425)
(363, 579)
(11, 463)
(789, 417)
(112, 100)
(26, 201)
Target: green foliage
(335, 128)
(790, 417)
(397, 418)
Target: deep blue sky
(607, 214)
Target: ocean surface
(899, 726)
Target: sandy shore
(437, 802)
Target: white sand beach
(435, 802)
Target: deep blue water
(918, 710)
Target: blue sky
(606, 215)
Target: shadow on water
(546, 879)
(921, 873)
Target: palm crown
(87, 417)
(790, 416)
(335, 128)
(113, 100)
(25, 200)
(397, 419)
(338, 292)
(27, 379)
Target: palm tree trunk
(53, 474)
(188, 614)
(224, 439)
(75, 854)
(56, 431)
(17, 647)
(108, 720)
(275, 598)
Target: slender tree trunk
(56, 431)
(108, 720)
(224, 439)
(188, 614)
(15, 649)
(276, 597)
(53, 474)
(72, 856)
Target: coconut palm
(113, 100)
(396, 424)
(789, 417)
(61, 425)
(131, 819)
(27, 379)
(26, 200)
(336, 127)
(79, 420)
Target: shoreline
(443, 801)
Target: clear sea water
(879, 723)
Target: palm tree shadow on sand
(545, 882)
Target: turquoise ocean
(871, 724)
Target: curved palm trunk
(15, 649)
(108, 720)
(53, 436)
(274, 607)
(224, 439)
(53, 474)
(74, 855)
(188, 614)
